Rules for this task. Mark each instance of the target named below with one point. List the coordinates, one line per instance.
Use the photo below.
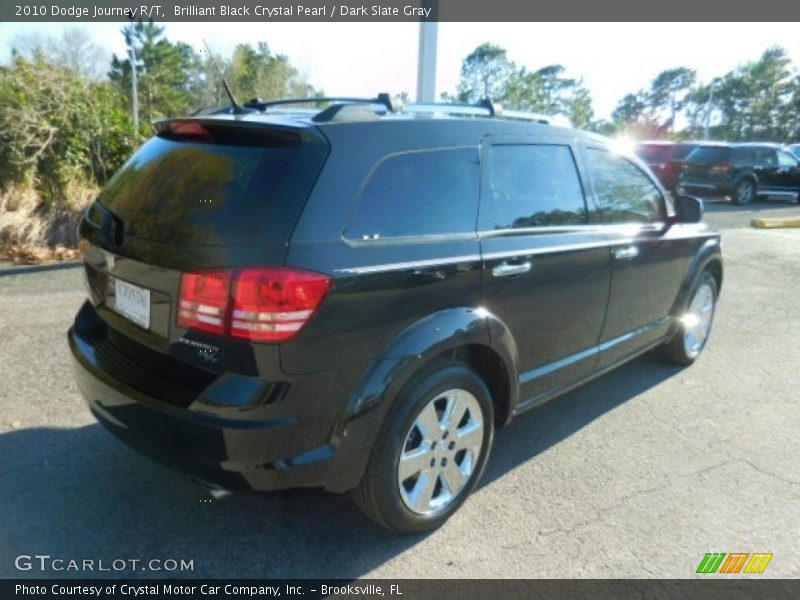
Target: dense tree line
(65, 113)
(759, 100)
(65, 117)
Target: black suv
(665, 159)
(355, 298)
(741, 172)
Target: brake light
(261, 305)
(272, 305)
(203, 300)
(721, 167)
(189, 129)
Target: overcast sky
(363, 58)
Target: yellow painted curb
(775, 223)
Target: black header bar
(397, 10)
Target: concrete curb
(775, 223)
(6, 270)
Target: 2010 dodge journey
(355, 298)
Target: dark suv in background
(665, 159)
(354, 298)
(741, 172)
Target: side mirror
(688, 209)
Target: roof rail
(451, 108)
(483, 108)
(524, 115)
(345, 108)
(382, 99)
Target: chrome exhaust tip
(218, 493)
(215, 491)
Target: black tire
(744, 192)
(379, 496)
(675, 350)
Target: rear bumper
(261, 448)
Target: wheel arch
(707, 258)
(473, 336)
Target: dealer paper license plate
(133, 302)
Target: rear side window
(709, 154)
(624, 193)
(744, 156)
(654, 153)
(532, 185)
(433, 192)
(185, 193)
(682, 151)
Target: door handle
(626, 253)
(507, 270)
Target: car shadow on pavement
(535, 431)
(80, 494)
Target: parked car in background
(741, 172)
(795, 149)
(353, 299)
(665, 159)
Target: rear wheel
(431, 452)
(695, 324)
(745, 192)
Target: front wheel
(695, 323)
(431, 451)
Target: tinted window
(766, 157)
(186, 193)
(419, 193)
(531, 186)
(654, 153)
(709, 154)
(624, 193)
(683, 150)
(744, 156)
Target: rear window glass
(196, 194)
(709, 154)
(419, 193)
(654, 153)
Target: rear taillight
(261, 305)
(722, 167)
(271, 305)
(203, 301)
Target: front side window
(532, 185)
(786, 160)
(624, 193)
(766, 157)
(419, 193)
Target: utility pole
(707, 116)
(134, 89)
(426, 61)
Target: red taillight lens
(272, 305)
(190, 129)
(203, 301)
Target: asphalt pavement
(637, 474)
